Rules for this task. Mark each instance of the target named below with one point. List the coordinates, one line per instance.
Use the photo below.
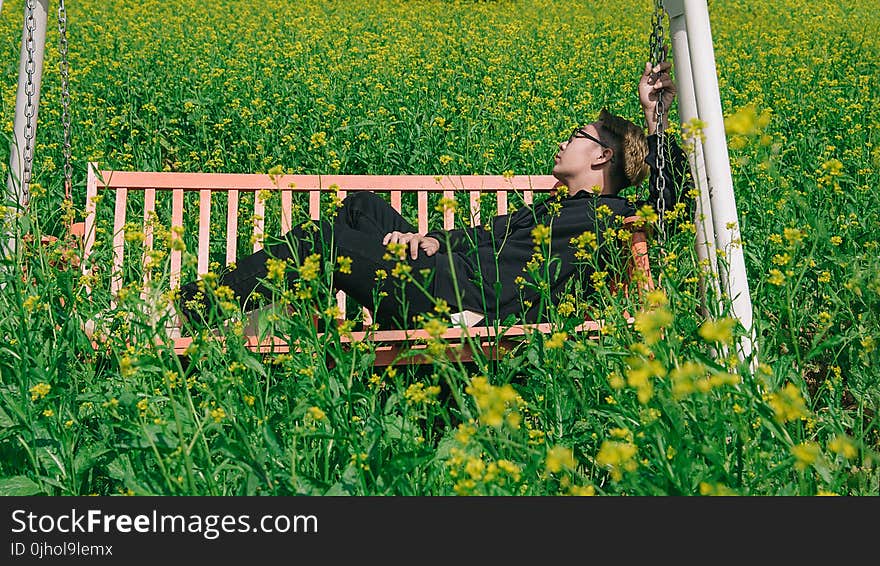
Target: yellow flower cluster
(618, 457)
(788, 404)
(498, 406)
(419, 394)
(39, 391)
(310, 268)
(654, 317)
(695, 376)
(474, 475)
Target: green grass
(435, 87)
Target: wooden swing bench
(392, 347)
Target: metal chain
(64, 69)
(30, 91)
(658, 52)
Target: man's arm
(656, 88)
(459, 239)
(676, 185)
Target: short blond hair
(630, 146)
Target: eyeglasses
(580, 133)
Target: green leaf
(5, 421)
(19, 485)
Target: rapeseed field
(432, 87)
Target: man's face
(578, 152)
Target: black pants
(357, 232)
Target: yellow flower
(652, 322)
(32, 303)
(39, 391)
(559, 458)
(776, 277)
(617, 457)
(344, 264)
(435, 328)
(747, 121)
(647, 214)
(587, 239)
(418, 394)
(794, 235)
(693, 130)
(781, 259)
(442, 307)
(318, 140)
(540, 235)
(565, 308)
(397, 250)
(275, 172)
(276, 268)
(843, 446)
(497, 405)
(720, 330)
(556, 341)
(615, 380)
(316, 414)
(475, 468)
(788, 404)
(126, 366)
(639, 375)
(401, 270)
(447, 205)
(218, 414)
(582, 490)
(176, 236)
(603, 211)
(715, 489)
(310, 267)
(598, 279)
(805, 454)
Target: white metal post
(728, 240)
(27, 99)
(687, 110)
(27, 102)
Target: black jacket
(472, 253)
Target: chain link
(30, 92)
(658, 52)
(64, 70)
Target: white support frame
(718, 230)
(15, 183)
(16, 187)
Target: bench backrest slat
(176, 222)
(137, 180)
(259, 222)
(118, 242)
(204, 229)
(149, 213)
(231, 226)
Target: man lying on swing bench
(485, 263)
